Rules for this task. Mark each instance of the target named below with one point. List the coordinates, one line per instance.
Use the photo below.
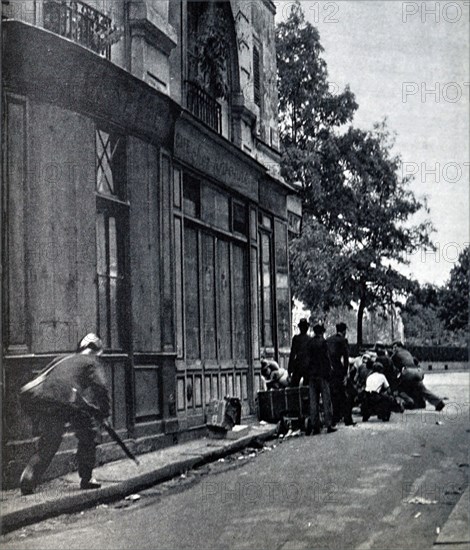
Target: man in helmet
(72, 390)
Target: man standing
(299, 358)
(339, 354)
(319, 375)
(411, 379)
(70, 389)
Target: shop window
(111, 233)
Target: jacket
(54, 386)
(338, 348)
(320, 364)
(299, 357)
(403, 358)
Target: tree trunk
(360, 315)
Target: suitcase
(274, 405)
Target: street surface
(374, 486)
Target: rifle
(95, 411)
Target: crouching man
(275, 377)
(72, 390)
(377, 397)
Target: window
(191, 196)
(265, 290)
(239, 218)
(111, 232)
(257, 75)
(110, 165)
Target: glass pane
(266, 290)
(101, 244)
(239, 218)
(103, 310)
(113, 251)
(104, 175)
(113, 314)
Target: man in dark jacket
(410, 385)
(299, 358)
(339, 354)
(319, 377)
(72, 390)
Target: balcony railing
(204, 106)
(79, 22)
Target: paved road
(359, 488)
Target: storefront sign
(197, 150)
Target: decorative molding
(147, 23)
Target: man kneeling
(377, 398)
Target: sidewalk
(120, 478)
(455, 534)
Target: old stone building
(142, 200)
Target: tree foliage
(455, 295)
(356, 206)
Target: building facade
(142, 200)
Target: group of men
(379, 383)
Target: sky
(409, 62)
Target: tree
(454, 310)
(356, 206)
(420, 316)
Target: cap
(319, 329)
(91, 341)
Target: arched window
(212, 64)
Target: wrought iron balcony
(204, 106)
(79, 22)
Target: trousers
(418, 392)
(317, 387)
(341, 401)
(51, 429)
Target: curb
(73, 503)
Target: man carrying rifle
(72, 390)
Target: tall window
(266, 289)
(111, 231)
(257, 76)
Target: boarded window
(191, 293)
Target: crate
(273, 405)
